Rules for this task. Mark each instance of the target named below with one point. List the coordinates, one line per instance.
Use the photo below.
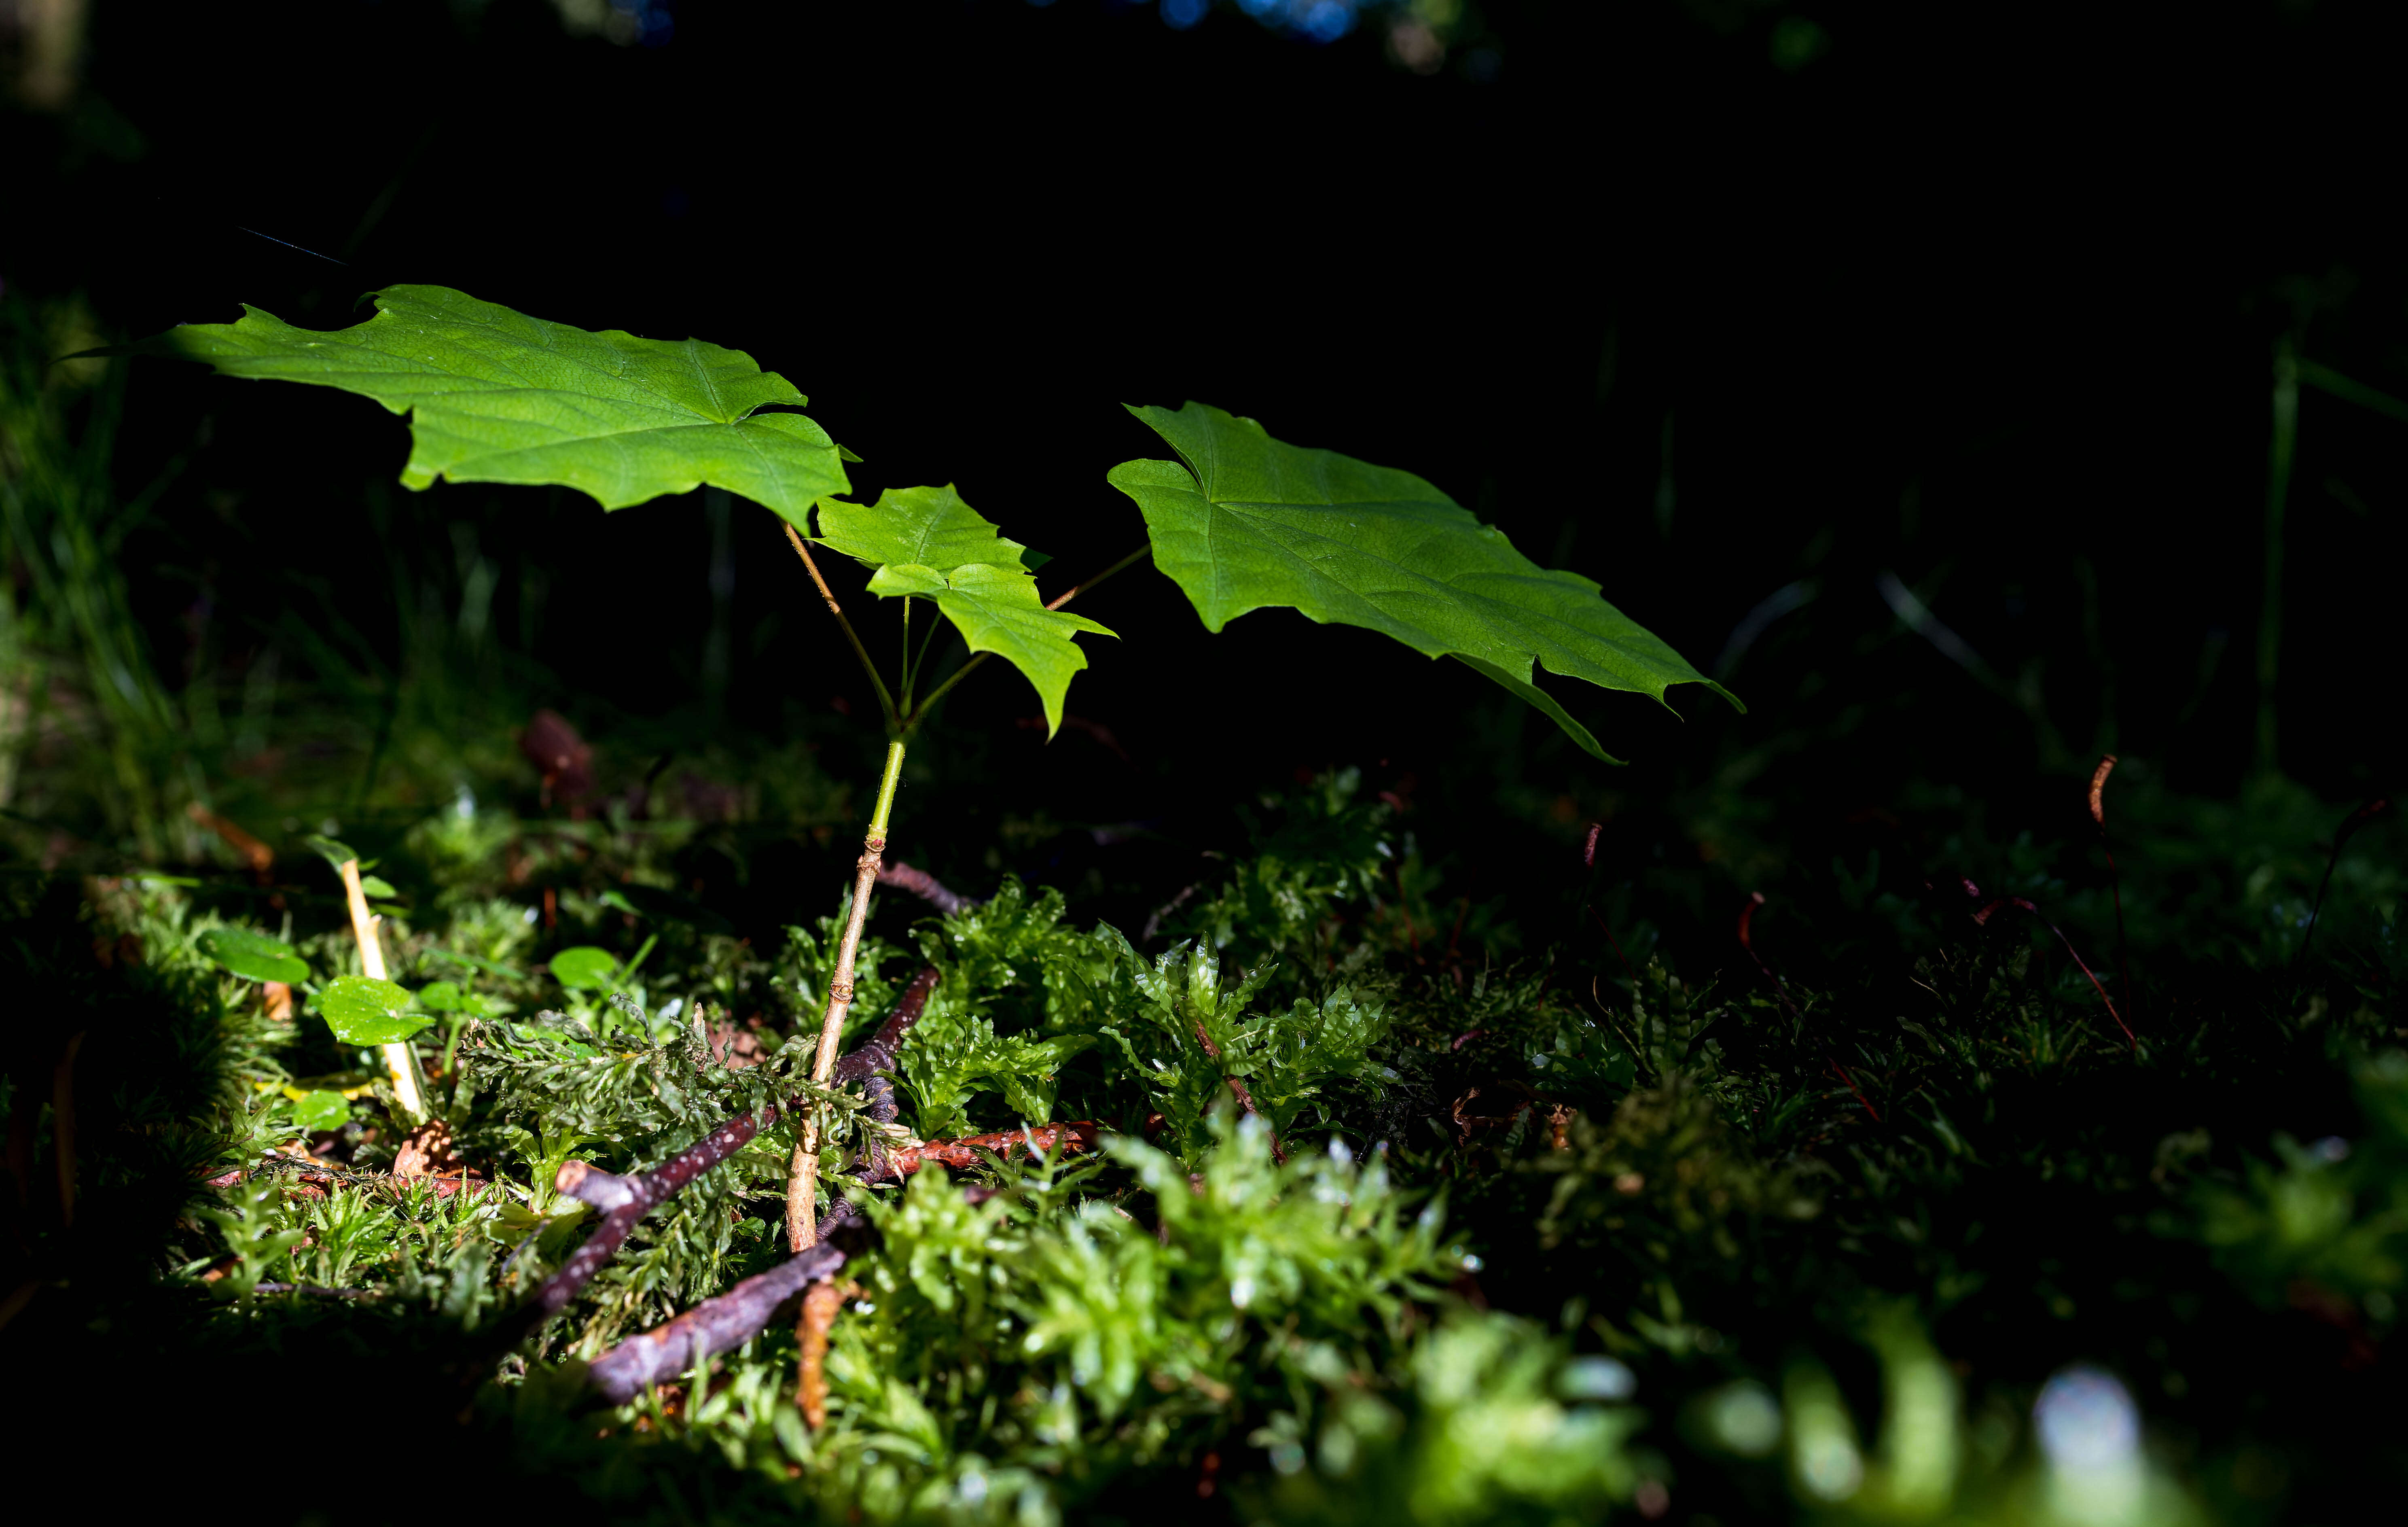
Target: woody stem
(802, 1174)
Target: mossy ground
(1566, 1230)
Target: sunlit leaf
(496, 396)
(363, 1010)
(1250, 522)
(931, 526)
(253, 956)
(996, 609)
(927, 543)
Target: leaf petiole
(885, 700)
(920, 712)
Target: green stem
(920, 663)
(903, 685)
(802, 1174)
(885, 700)
(920, 713)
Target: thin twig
(1073, 1137)
(1638, 1056)
(927, 888)
(1237, 1090)
(1982, 917)
(714, 1325)
(873, 1063)
(624, 1200)
(1616, 946)
(2347, 831)
(885, 700)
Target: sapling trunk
(400, 1060)
(802, 1179)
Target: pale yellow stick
(397, 1056)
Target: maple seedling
(1240, 522)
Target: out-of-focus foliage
(2327, 1221)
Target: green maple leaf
(496, 396)
(927, 543)
(1250, 522)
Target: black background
(1986, 297)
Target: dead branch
(1074, 1137)
(714, 1325)
(624, 1200)
(927, 888)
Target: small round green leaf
(377, 886)
(439, 997)
(253, 956)
(584, 966)
(315, 1111)
(362, 1010)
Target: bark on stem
(398, 1059)
(802, 1178)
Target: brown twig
(714, 1325)
(1638, 1056)
(1237, 1090)
(256, 857)
(872, 1065)
(624, 1200)
(1072, 1138)
(927, 888)
(1615, 944)
(1982, 919)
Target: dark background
(1987, 298)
